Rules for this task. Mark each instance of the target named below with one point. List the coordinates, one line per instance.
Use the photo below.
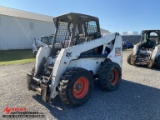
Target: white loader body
(65, 61)
(78, 56)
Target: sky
(114, 15)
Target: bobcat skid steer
(78, 56)
(147, 51)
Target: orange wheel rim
(80, 87)
(114, 77)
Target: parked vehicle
(147, 51)
(127, 45)
(43, 41)
(48, 40)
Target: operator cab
(48, 40)
(149, 39)
(73, 29)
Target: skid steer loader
(147, 51)
(78, 56)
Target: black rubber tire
(150, 64)
(66, 86)
(129, 59)
(105, 73)
(157, 64)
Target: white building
(130, 33)
(135, 33)
(19, 28)
(124, 33)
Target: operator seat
(80, 39)
(66, 43)
(56, 47)
(147, 48)
(150, 44)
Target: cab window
(91, 27)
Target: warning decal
(118, 51)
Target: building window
(31, 25)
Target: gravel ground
(137, 98)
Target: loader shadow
(145, 67)
(130, 101)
